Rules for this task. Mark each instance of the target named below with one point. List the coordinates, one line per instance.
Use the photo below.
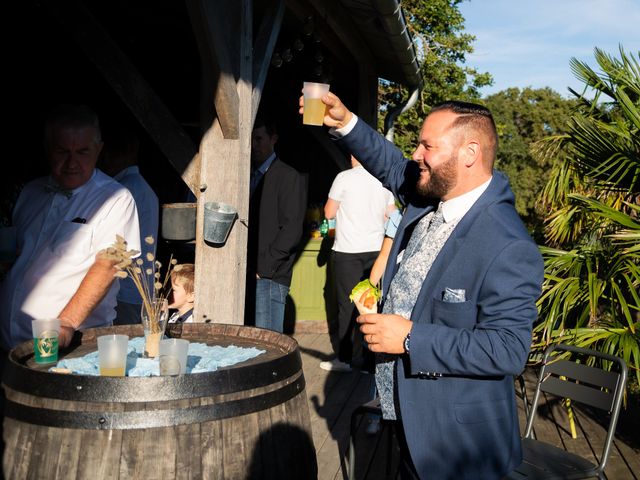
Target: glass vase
(154, 315)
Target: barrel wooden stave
(225, 448)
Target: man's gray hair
(71, 116)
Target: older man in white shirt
(63, 222)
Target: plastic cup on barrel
(45, 339)
(112, 355)
(314, 109)
(173, 356)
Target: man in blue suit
(460, 286)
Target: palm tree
(590, 294)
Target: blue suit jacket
(463, 425)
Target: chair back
(580, 382)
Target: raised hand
(336, 115)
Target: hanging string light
(276, 59)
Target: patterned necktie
(426, 226)
(418, 257)
(424, 245)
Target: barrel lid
(281, 361)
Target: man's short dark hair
(268, 124)
(474, 117)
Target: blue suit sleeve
(382, 159)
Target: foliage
(592, 259)
(522, 118)
(438, 27)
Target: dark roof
(383, 26)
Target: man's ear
(471, 152)
(191, 297)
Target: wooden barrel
(250, 420)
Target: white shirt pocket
(72, 240)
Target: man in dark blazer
(276, 214)
(460, 298)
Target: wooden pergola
(194, 75)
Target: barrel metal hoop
(153, 418)
(149, 389)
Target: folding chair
(523, 393)
(582, 383)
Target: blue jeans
(270, 301)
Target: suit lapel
(457, 244)
(410, 218)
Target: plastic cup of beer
(314, 109)
(112, 355)
(45, 339)
(173, 356)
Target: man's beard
(441, 179)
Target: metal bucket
(218, 220)
(179, 221)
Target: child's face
(179, 297)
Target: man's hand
(336, 115)
(65, 336)
(384, 333)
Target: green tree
(592, 259)
(438, 27)
(522, 118)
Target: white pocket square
(454, 295)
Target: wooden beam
(125, 79)
(264, 44)
(221, 271)
(210, 21)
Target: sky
(528, 43)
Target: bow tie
(51, 188)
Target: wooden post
(224, 36)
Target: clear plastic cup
(314, 109)
(173, 356)
(112, 355)
(45, 339)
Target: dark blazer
(276, 215)
(463, 424)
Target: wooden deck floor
(333, 396)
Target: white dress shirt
(58, 239)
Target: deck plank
(333, 396)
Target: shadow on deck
(333, 397)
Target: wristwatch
(407, 339)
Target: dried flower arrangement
(154, 292)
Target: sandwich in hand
(365, 295)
